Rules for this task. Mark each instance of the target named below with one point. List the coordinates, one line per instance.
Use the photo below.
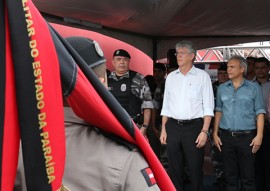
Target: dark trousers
(262, 163)
(164, 158)
(238, 161)
(217, 160)
(153, 141)
(181, 149)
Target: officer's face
(120, 64)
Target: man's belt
(237, 133)
(187, 121)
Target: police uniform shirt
(95, 162)
(139, 88)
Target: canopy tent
(154, 26)
(139, 61)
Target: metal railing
(223, 53)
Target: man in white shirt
(187, 111)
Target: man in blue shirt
(240, 118)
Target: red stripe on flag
(11, 131)
(51, 84)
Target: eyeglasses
(181, 53)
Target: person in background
(86, 168)
(157, 85)
(238, 126)
(160, 72)
(172, 61)
(130, 89)
(187, 110)
(262, 165)
(159, 77)
(222, 77)
(151, 83)
(152, 132)
(261, 68)
(250, 68)
(216, 156)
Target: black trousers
(181, 150)
(217, 159)
(238, 161)
(153, 141)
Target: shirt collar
(244, 82)
(191, 71)
(113, 75)
(256, 80)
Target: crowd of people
(178, 109)
(188, 110)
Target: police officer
(94, 159)
(130, 89)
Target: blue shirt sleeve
(259, 106)
(218, 103)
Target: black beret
(88, 49)
(121, 52)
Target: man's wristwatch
(145, 126)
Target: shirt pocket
(246, 105)
(194, 91)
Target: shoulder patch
(149, 176)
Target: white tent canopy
(154, 26)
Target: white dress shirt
(188, 96)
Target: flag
(39, 67)
(32, 107)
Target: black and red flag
(31, 99)
(36, 67)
